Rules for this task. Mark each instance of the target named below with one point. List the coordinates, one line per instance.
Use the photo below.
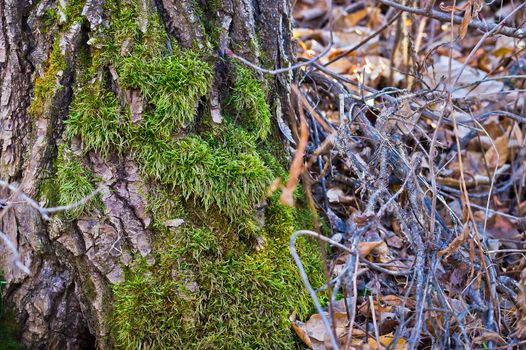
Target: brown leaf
(489, 336)
(299, 328)
(366, 248)
(314, 334)
(465, 21)
(343, 20)
(457, 242)
(296, 168)
(385, 341)
(497, 155)
(502, 228)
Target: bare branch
(519, 33)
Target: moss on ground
(208, 287)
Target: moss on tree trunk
(181, 249)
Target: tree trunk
(180, 249)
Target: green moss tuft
(173, 85)
(232, 181)
(249, 100)
(73, 184)
(133, 32)
(97, 118)
(51, 17)
(203, 293)
(73, 11)
(49, 83)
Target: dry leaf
(296, 167)
(366, 248)
(457, 242)
(385, 341)
(502, 228)
(465, 21)
(489, 336)
(439, 73)
(316, 330)
(497, 156)
(299, 328)
(342, 20)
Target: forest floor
(413, 134)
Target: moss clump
(173, 85)
(206, 291)
(73, 184)
(249, 101)
(220, 176)
(49, 83)
(50, 18)
(97, 118)
(73, 11)
(133, 31)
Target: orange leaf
(299, 328)
(366, 248)
(385, 341)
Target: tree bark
(66, 300)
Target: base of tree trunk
(181, 248)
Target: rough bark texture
(64, 303)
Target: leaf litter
(417, 161)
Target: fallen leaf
(343, 20)
(489, 336)
(438, 73)
(497, 156)
(366, 248)
(501, 228)
(299, 328)
(385, 341)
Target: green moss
(50, 17)
(97, 118)
(49, 83)
(8, 328)
(73, 11)
(204, 293)
(249, 101)
(233, 182)
(73, 184)
(172, 85)
(133, 32)
(208, 287)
